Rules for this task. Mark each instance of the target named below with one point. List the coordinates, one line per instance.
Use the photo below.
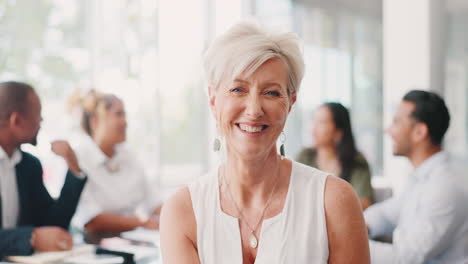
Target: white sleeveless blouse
(296, 235)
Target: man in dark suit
(29, 218)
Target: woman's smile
(252, 129)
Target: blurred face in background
(401, 129)
(30, 121)
(324, 131)
(111, 124)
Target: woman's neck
(327, 160)
(251, 181)
(106, 147)
(326, 153)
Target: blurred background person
(119, 196)
(30, 219)
(334, 150)
(429, 219)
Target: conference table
(140, 246)
(104, 240)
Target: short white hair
(245, 47)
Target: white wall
(412, 60)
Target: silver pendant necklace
(112, 166)
(253, 240)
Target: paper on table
(49, 257)
(142, 235)
(94, 259)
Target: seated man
(29, 218)
(429, 220)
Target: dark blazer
(36, 207)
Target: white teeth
(250, 129)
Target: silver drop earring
(282, 140)
(216, 144)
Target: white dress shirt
(9, 188)
(118, 185)
(429, 220)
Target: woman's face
(112, 125)
(324, 131)
(251, 111)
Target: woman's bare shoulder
(347, 235)
(178, 229)
(177, 214)
(340, 196)
(338, 192)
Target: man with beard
(29, 218)
(429, 219)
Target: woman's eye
(236, 90)
(273, 93)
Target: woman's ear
(93, 123)
(212, 98)
(293, 100)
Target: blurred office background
(363, 53)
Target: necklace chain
(239, 212)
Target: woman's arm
(365, 203)
(157, 210)
(361, 182)
(347, 234)
(107, 222)
(178, 230)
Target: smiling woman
(258, 206)
(252, 110)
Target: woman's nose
(254, 107)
